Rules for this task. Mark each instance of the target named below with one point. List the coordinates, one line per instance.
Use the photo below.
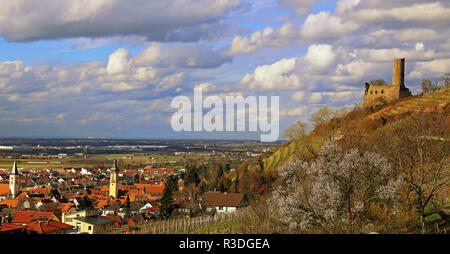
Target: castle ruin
(379, 95)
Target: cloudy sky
(110, 68)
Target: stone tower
(384, 94)
(398, 75)
(113, 183)
(14, 182)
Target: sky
(110, 68)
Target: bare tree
(323, 116)
(420, 149)
(296, 130)
(429, 86)
(192, 198)
(333, 193)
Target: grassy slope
(410, 104)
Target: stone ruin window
(382, 91)
(371, 92)
(376, 91)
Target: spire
(115, 167)
(14, 169)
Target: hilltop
(410, 135)
(364, 121)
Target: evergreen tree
(166, 201)
(85, 203)
(192, 175)
(220, 172)
(127, 207)
(236, 184)
(227, 167)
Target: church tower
(14, 182)
(113, 188)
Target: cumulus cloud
(315, 98)
(118, 62)
(320, 55)
(324, 26)
(206, 87)
(320, 27)
(268, 37)
(299, 96)
(434, 13)
(276, 76)
(430, 69)
(179, 20)
(298, 111)
(191, 56)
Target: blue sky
(111, 68)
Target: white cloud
(268, 37)
(419, 12)
(61, 115)
(324, 26)
(298, 111)
(206, 87)
(118, 62)
(320, 55)
(170, 81)
(315, 98)
(178, 20)
(277, 76)
(417, 53)
(430, 69)
(299, 96)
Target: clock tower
(113, 182)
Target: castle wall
(379, 95)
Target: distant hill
(388, 113)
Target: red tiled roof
(155, 188)
(65, 207)
(50, 226)
(8, 227)
(4, 189)
(11, 203)
(25, 217)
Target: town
(77, 200)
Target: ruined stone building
(380, 95)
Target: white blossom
(333, 192)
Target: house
(8, 228)
(26, 217)
(93, 224)
(10, 203)
(4, 191)
(224, 202)
(118, 221)
(68, 217)
(49, 227)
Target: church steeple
(14, 181)
(115, 168)
(14, 169)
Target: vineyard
(244, 221)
